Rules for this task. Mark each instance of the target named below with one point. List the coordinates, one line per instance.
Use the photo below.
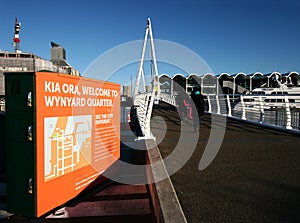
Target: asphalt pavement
(255, 176)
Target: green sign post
(20, 143)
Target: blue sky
(230, 36)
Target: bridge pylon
(145, 98)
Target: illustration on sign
(67, 144)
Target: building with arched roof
(179, 82)
(209, 84)
(291, 79)
(166, 83)
(240, 79)
(272, 79)
(240, 83)
(256, 80)
(193, 81)
(226, 83)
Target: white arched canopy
(209, 84)
(272, 77)
(293, 79)
(179, 81)
(193, 81)
(166, 83)
(222, 75)
(256, 80)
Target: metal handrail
(276, 110)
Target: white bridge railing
(168, 98)
(276, 110)
(144, 106)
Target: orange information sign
(78, 135)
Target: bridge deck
(255, 176)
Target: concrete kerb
(167, 208)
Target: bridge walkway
(255, 176)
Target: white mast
(154, 71)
